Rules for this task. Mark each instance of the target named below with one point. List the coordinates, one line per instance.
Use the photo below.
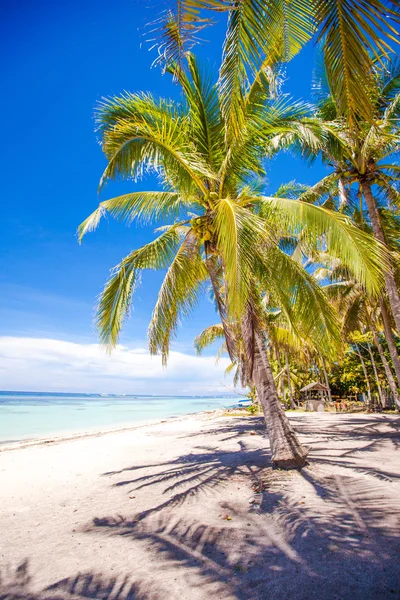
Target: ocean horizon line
(118, 395)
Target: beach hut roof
(314, 385)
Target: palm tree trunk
(212, 269)
(391, 287)
(292, 402)
(364, 368)
(388, 371)
(281, 369)
(343, 194)
(390, 339)
(326, 379)
(378, 385)
(287, 452)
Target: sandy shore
(163, 512)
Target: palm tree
(367, 160)
(227, 232)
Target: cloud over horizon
(45, 364)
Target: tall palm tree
(368, 161)
(227, 232)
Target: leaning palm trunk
(378, 385)
(292, 402)
(388, 371)
(287, 452)
(326, 379)
(212, 269)
(280, 375)
(390, 339)
(364, 368)
(391, 287)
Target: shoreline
(8, 446)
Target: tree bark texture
(280, 377)
(287, 452)
(364, 368)
(390, 339)
(391, 287)
(292, 402)
(378, 385)
(386, 366)
(326, 379)
(229, 335)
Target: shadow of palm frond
(203, 471)
(339, 546)
(198, 473)
(15, 585)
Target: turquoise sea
(30, 415)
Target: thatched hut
(315, 395)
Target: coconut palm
(225, 231)
(365, 167)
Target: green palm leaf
(158, 138)
(178, 294)
(358, 251)
(205, 118)
(351, 31)
(238, 233)
(145, 206)
(177, 29)
(115, 300)
(300, 298)
(208, 336)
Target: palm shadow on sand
(342, 546)
(15, 585)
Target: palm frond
(286, 338)
(115, 300)
(353, 33)
(208, 336)
(176, 31)
(325, 186)
(325, 229)
(389, 80)
(291, 190)
(238, 232)
(299, 297)
(144, 206)
(205, 119)
(177, 296)
(140, 134)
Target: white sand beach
(166, 511)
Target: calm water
(31, 415)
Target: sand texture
(191, 509)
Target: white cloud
(40, 364)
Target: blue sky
(61, 58)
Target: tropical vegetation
(262, 255)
